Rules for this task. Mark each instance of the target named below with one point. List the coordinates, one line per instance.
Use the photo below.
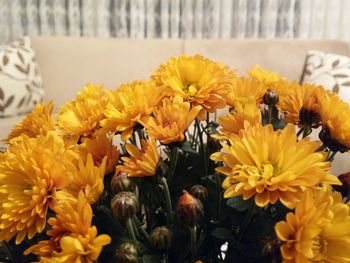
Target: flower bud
(309, 117)
(121, 182)
(124, 205)
(270, 98)
(189, 209)
(271, 249)
(199, 192)
(161, 238)
(126, 253)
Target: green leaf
(238, 203)
(222, 233)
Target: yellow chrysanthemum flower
(196, 79)
(244, 90)
(88, 178)
(31, 171)
(82, 116)
(170, 120)
(335, 122)
(271, 165)
(267, 77)
(100, 146)
(141, 163)
(38, 122)
(317, 231)
(72, 238)
(128, 104)
(233, 122)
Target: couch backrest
(67, 63)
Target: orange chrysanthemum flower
(31, 171)
(197, 79)
(245, 90)
(233, 122)
(170, 120)
(72, 238)
(128, 104)
(141, 163)
(100, 146)
(266, 77)
(82, 116)
(271, 165)
(317, 231)
(38, 122)
(335, 122)
(300, 103)
(88, 178)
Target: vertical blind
(176, 18)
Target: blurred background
(321, 19)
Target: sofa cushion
(329, 70)
(20, 82)
(68, 63)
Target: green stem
(130, 228)
(201, 147)
(300, 131)
(174, 155)
(269, 115)
(193, 243)
(218, 194)
(141, 229)
(167, 199)
(7, 250)
(248, 218)
(331, 156)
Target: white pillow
(20, 81)
(329, 70)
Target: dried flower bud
(270, 98)
(121, 183)
(161, 238)
(271, 249)
(331, 143)
(124, 205)
(189, 209)
(344, 189)
(126, 253)
(309, 117)
(213, 144)
(199, 192)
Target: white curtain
(176, 18)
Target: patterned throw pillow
(329, 70)
(20, 82)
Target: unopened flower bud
(121, 183)
(189, 209)
(161, 238)
(124, 205)
(270, 98)
(199, 192)
(126, 253)
(271, 249)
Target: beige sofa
(67, 63)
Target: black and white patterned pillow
(20, 81)
(329, 70)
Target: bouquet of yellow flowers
(195, 164)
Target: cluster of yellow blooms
(58, 164)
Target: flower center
(319, 247)
(191, 88)
(256, 174)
